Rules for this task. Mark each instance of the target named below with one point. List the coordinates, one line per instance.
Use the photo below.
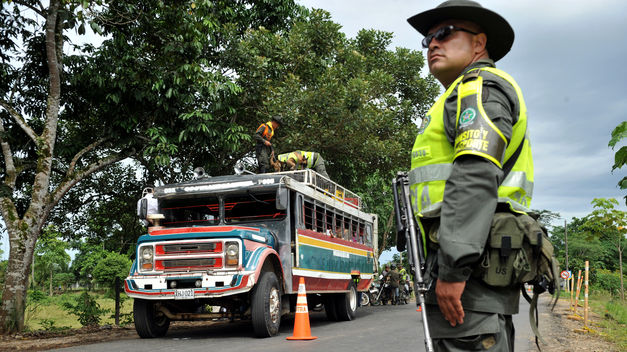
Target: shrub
(86, 309)
(605, 280)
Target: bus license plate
(187, 293)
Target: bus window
(331, 223)
(251, 207)
(190, 211)
(347, 229)
(368, 235)
(309, 215)
(319, 213)
(355, 232)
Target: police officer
(301, 159)
(471, 156)
(263, 148)
(395, 280)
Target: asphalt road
(380, 329)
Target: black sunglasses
(442, 33)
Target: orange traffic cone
(302, 331)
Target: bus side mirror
(281, 198)
(143, 208)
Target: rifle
(406, 227)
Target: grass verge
(49, 313)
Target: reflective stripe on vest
(312, 158)
(282, 157)
(268, 131)
(433, 155)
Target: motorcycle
(368, 297)
(383, 294)
(403, 294)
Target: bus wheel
(266, 306)
(149, 322)
(329, 306)
(346, 304)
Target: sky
(569, 59)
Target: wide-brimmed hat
(500, 34)
(278, 119)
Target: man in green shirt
(470, 156)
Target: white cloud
(568, 58)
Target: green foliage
(35, 299)
(3, 269)
(582, 247)
(620, 158)
(85, 261)
(112, 266)
(606, 281)
(354, 101)
(51, 258)
(546, 217)
(101, 211)
(617, 311)
(50, 325)
(86, 309)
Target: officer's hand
(449, 295)
(267, 143)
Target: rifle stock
(406, 229)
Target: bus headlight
(232, 254)
(146, 258)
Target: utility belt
(517, 251)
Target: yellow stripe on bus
(330, 245)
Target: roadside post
(585, 302)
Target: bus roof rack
(325, 186)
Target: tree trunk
(620, 266)
(117, 301)
(16, 281)
(50, 290)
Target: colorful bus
(237, 246)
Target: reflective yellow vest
(432, 155)
(311, 161)
(268, 131)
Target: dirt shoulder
(46, 340)
(564, 331)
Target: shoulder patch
(467, 117)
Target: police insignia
(467, 117)
(424, 124)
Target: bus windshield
(252, 207)
(191, 211)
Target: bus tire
(266, 306)
(346, 304)
(148, 322)
(329, 307)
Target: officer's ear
(479, 42)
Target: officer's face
(448, 56)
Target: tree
(620, 158)
(111, 271)
(353, 100)
(154, 90)
(546, 217)
(607, 222)
(51, 256)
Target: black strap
(507, 168)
